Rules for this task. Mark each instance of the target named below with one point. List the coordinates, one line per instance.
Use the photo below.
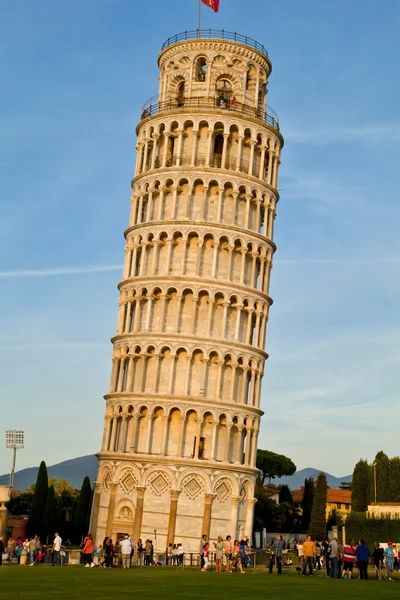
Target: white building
(183, 410)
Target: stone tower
(183, 410)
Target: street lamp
(374, 465)
(15, 441)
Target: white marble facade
(183, 409)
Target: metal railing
(216, 34)
(154, 106)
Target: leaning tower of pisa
(183, 409)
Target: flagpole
(198, 22)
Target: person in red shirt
(349, 559)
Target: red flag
(214, 4)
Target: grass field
(76, 582)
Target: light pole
(374, 465)
(15, 441)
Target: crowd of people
(338, 560)
(28, 552)
(331, 556)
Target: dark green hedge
(372, 529)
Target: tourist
(309, 555)
(206, 553)
(300, 555)
(126, 549)
(108, 553)
(288, 562)
(219, 553)
(389, 560)
(87, 552)
(40, 556)
(2, 549)
(56, 551)
(244, 553)
(276, 555)
(168, 555)
(116, 554)
(152, 561)
(237, 556)
(147, 552)
(203, 542)
(349, 558)
(11, 546)
(97, 555)
(333, 553)
(181, 554)
(325, 556)
(318, 556)
(362, 552)
(340, 558)
(175, 555)
(377, 560)
(228, 549)
(139, 553)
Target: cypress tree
(360, 486)
(35, 518)
(285, 495)
(318, 513)
(82, 513)
(307, 504)
(49, 521)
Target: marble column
(249, 517)
(234, 516)
(95, 511)
(137, 528)
(208, 499)
(111, 509)
(173, 510)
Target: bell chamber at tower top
(211, 108)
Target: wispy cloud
(369, 133)
(58, 271)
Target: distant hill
(76, 469)
(73, 471)
(297, 480)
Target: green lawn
(76, 582)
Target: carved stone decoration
(159, 483)
(223, 490)
(126, 514)
(192, 486)
(128, 481)
(107, 481)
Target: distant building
(384, 509)
(338, 500)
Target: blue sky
(74, 77)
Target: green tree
(20, 504)
(394, 482)
(49, 521)
(318, 513)
(82, 514)
(307, 503)
(383, 477)
(38, 502)
(360, 487)
(285, 495)
(346, 485)
(273, 465)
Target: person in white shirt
(126, 550)
(56, 551)
(300, 556)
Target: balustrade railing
(155, 106)
(216, 34)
